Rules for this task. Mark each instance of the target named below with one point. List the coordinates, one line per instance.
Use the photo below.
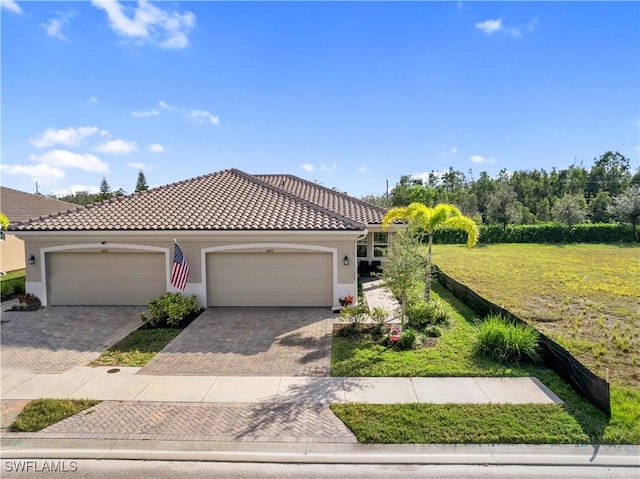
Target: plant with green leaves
(171, 309)
(506, 341)
(422, 219)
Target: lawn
(137, 348)
(42, 413)
(585, 297)
(453, 355)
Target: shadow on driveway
(243, 341)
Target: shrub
(378, 315)
(407, 339)
(12, 284)
(354, 315)
(433, 332)
(171, 308)
(28, 302)
(421, 314)
(508, 342)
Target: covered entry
(270, 279)
(114, 278)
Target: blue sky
(345, 94)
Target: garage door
(276, 279)
(105, 278)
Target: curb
(312, 453)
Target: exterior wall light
(345, 261)
(32, 259)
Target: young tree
(570, 209)
(426, 220)
(105, 190)
(626, 207)
(503, 206)
(141, 184)
(404, 266)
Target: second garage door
(105, 279)
(276, 279)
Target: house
(19, 206)
(250, 240)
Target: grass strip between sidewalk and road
(461, 423)
(42, 413)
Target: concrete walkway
(124, 384)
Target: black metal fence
(590, 386)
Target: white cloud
(74, 189)
(202, 115)
(329, 168)
(148, 23)
(308, 167)
(140, 166)
(362, 169)
(54, 26)
(164, 105)
(481, 159)
(490, 26)
(156, 148)
(117, 147)
(11, 5)
(93, 100)
(43, 173)
(66, 136)
(68, 159)
(145, 113)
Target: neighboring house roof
(226, 200)
(21, 206)
(327, 198)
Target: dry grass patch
(585, 297)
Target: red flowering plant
(347, 300)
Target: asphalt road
(137, 469)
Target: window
(361, 248)
(380, 244)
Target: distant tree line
(104, 192)
(606, 192)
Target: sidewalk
(123, 384)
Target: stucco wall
(11, 254)
(195, 246)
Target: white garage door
(105, 278)
(275, 279)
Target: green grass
(453, 355)
(461, 423)
(137, 348)
(42, 413)
(584, 296)
(13, 282)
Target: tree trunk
(427, 278)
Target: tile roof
(225, 200)
(327, 198)
(21, 206)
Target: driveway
(250, 342)
(57, 338)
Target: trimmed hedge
(545, 233)
(12, 285)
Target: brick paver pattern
(57, 338)
(250, 342)
(203, 422)
(11, 408)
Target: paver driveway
(57, 338)
(250, 342)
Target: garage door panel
(277, 279)
(104, 278)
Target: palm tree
(422, 219)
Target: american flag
(180, 269)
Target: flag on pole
(180, 269)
